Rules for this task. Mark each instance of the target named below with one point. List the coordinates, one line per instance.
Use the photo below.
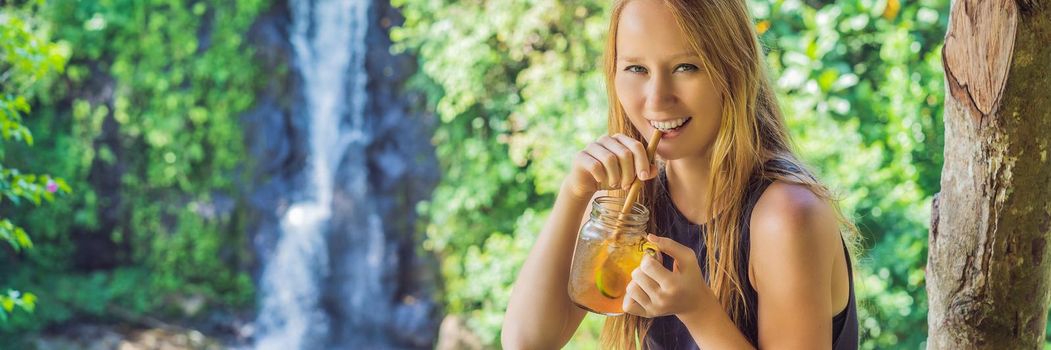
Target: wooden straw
(636, 186)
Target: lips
(670, 125)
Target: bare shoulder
(791, 228)
(792, 209)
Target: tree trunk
(988, 266)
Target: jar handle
(650, 248)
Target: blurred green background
(515, 87)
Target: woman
(755, 248)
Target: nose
(660, 92)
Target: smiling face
(661, 82)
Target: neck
(689, 177)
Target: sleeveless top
(667, 332)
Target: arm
(795, 240)
(540, 314)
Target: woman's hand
(610, 163)
(656, 291)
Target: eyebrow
(678, 55)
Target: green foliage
(14, 298)
(518, 88)
(144, 123)
(516, 85)
(26, 57)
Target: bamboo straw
(636, 186)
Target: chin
(679, 152)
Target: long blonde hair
(752, 132)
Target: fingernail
(643, 174)
(651, 237)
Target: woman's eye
(635, 69)
(686, 67)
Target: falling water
(328, 41)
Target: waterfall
(328, 42)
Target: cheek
(630, 96)
(629, 93)
(705, 101)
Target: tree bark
(988, 266)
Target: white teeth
(668, 125)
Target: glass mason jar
(603, 259)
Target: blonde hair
(752, 132)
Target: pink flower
(52, 186)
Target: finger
(643, 165)
(625, 157)
(638, 294)
(654, 270)
(633, 307)
(645, 281)
(679, 252)
(609, 162)
(593, 167)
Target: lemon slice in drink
(610, 279)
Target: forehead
(647, 29)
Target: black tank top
(667, 332)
